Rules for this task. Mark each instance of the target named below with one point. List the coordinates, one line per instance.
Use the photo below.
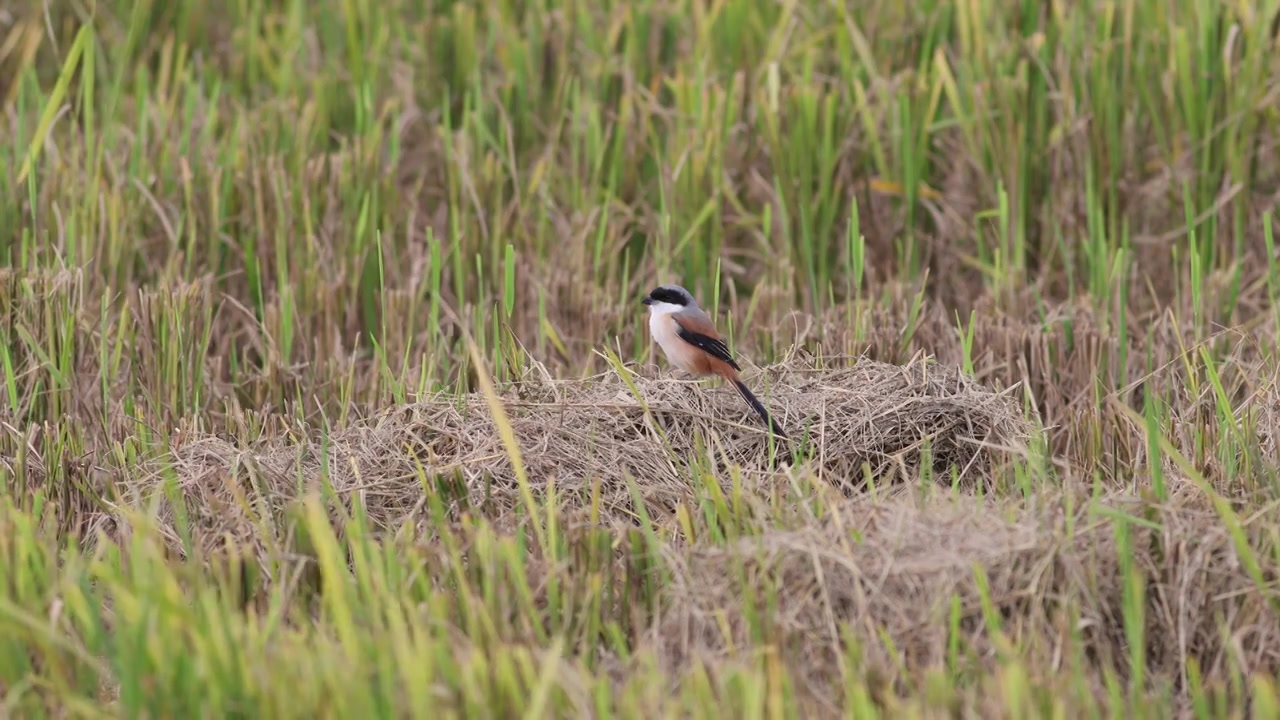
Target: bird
(690, 342)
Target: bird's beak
(647, 300)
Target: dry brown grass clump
(890, 570)
(869, 419)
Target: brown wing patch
(703, 336)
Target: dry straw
(868, 419)
(1049, 570)
(897, 567)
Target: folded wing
(702, 335)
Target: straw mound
(580, 432)
(889, 567)
(892, 569)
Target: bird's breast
(666, 333)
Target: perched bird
(690, 341)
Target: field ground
(327, 391)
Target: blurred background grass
(260, 217)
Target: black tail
(759, 408)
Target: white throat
(663, 329)
(657, 327)
(664, 308)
